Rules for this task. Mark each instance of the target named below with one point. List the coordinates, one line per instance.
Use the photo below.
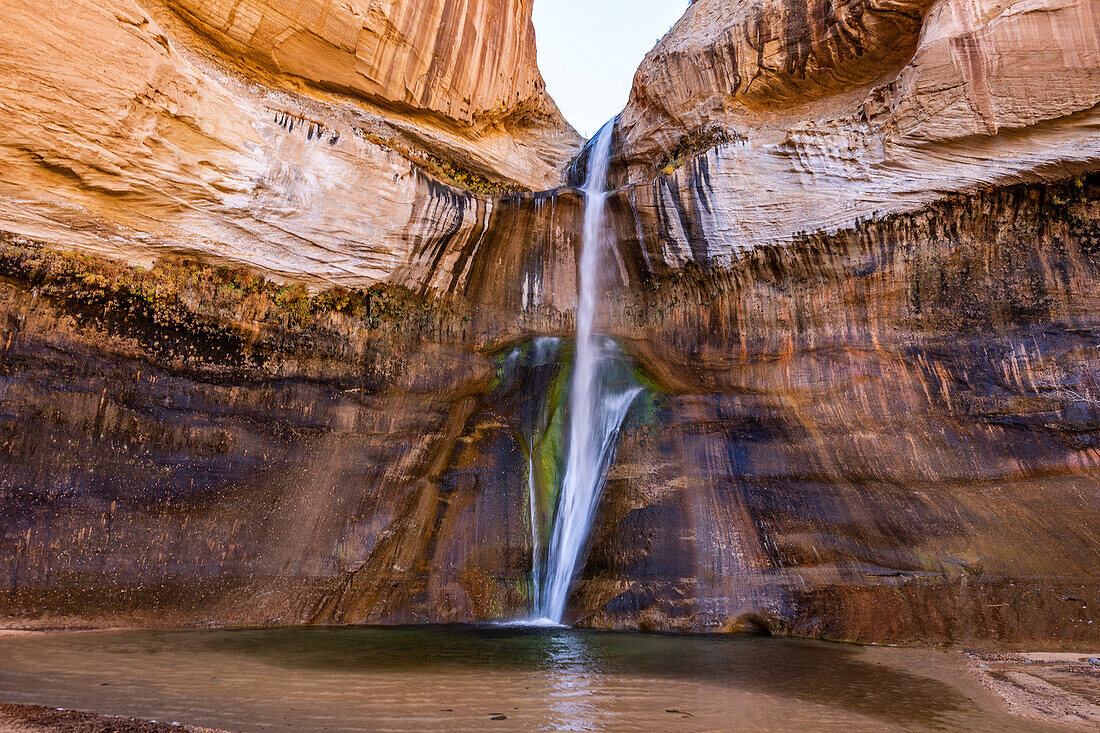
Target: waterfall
(598, 402)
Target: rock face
(468, 62)
(857, 268)
(238, 452)
(994, 92)
(727, 61)
(884, 435)
(836, 340)
(467, 70)
(131, 136)
(889, 433)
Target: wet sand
(492, 678)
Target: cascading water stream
(598, 403)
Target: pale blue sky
(589, 50)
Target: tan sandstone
(984, 92)
(128, 135)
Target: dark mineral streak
(887, 434)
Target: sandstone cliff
(878, 350)
(856, 268)
(889, 434)
(838, 112)
(130, 135)
(471, 63)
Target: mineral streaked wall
(126, 136)
(968, 68)
(898, 417)
(472, 62)
(228, 453)
(889, 433)
(986, 93)
(457, 78)
(770, 56)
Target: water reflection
(572, 678)
(575, 666)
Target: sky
(589, 50)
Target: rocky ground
(1061, 688)
(38, 719)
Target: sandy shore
(1058, 689)
(37, 719)
(1052, 687)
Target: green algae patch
(531, 390)
(646, 413)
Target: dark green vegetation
(447, 171)
(184, 293)
(693, 144)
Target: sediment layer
(896, 417)
(258, 293)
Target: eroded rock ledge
(254, 341)
(851, 111)
(896, 417)
(129, 135)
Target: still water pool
(495, 678)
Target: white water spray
(596, 406)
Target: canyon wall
(818, 138)
(858, 258)
(890, 433)
(131, 136)
(467, 62)
(197, 445)
(289, 374)
(305, 224)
